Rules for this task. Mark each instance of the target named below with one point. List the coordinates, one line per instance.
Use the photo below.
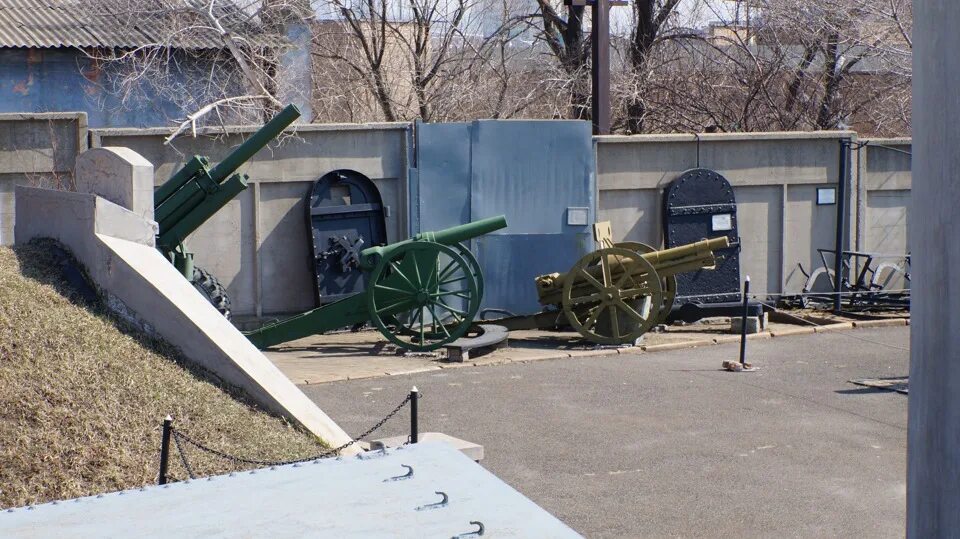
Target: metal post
(842, 180)
(165, 450)
(743, 322)
(600, 75)
(414, 428)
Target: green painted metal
(449, 236)
(196, 192)
(423, 294)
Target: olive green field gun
(423, 293)
(617, 293)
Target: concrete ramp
(115, 245)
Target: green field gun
(197, 191)
(617, 293)
(423, 293)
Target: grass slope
(82, 398)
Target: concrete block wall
(775, 177)
(258, 245)
(39, 150)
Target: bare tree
(433, 60)
(209, 60)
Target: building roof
(394, 493)
(122, 24)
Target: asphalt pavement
(666, 444)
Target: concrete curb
(537, 355)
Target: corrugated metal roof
(367, 496)
(111, 23)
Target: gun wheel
(423, 295)
(667, 284)
(612, 296)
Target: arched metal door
(346, 215)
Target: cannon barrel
(196, 192)
(255, 143)
(666, 262)
(447, 236)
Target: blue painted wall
(64, 80)
(530, 171)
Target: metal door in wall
(540, 174)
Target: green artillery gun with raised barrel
(616, 294)
(196, 192)
(423, 293)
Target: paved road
(666, 445)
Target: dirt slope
(82, 397)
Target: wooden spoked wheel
(423, 295)
(458, 303)
(667, 284)
(617, 285)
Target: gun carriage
(196, 192)
(423, 293)
(617, 293)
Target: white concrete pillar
(933, 452)
(119, 175)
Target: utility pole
(600, 59)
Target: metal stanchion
(743, 323)
(414, 428)
(165, 450)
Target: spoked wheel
(471, 260)
(667, 284)
(616, 285)
(423, 295)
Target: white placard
(826, 195)
(577, 216)
(722, 221)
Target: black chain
(177, 436)
(182, 453)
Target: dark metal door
(700, 204)
(345, 213)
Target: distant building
(51, 57)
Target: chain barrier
(179, 436)
(182, 453)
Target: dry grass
(82, 398)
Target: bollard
(165, 450)
(743, 322)
(414, 428)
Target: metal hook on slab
(407, 475)
(441, 503)
(476, 533)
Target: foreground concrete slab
(470, 449)
(394, 493)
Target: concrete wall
(37, 150)
(933, 437)
(258, 245)
(775, 178)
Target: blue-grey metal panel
(443, 175)
(352, 497)
(517, 259)
(532, 171)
